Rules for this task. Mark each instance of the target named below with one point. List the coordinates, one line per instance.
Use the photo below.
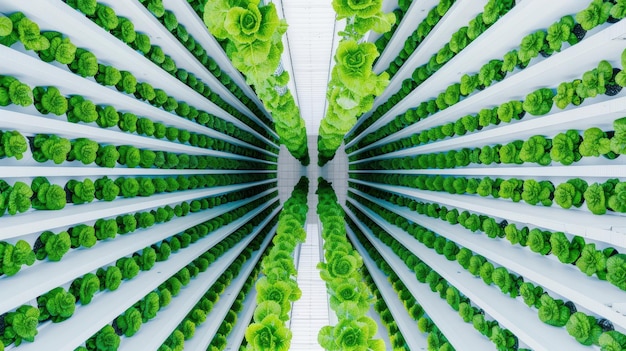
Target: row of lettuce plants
(77, 109)
(606, 264)
(350, 297)
(386, 318)
(59, 305)
(202, 310)
(502, 338)
(51, 147)
(252, 35)
(130, 322)
(45, 195)
(171, 23)
(219, 341)
(353, 84)
(493, 11)
(278, 289)
(566, 148)
(85, 64)
(413, 308)
(586, 329)
(601, 80)
(598, 197)
(422, 30)
(52, 246)
(123, 29)
(186, 329)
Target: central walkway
(310, 313)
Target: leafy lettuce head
(359, 8)
(354, 61)
(246, 24)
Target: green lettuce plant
(15, 256)
(85, 63)
(129, 268)
(49, 100)
(20, 325)
(595, 199)
(536, 149)
(566, 251)
(106, 189)
(50, 147)
(565, 147)
(531, 294)
(539, 102)
(584, 328)
(595, 143)
(616, 270)
(596, 13)
(110, 278)
(553, 312)
(560, 32)
(531, 45)
(594, 82)
(57, 305)
(107, 75)
(618, 141)
(592, 261)
(60, 49)
(612, 340)
(85, 287)
(47, 196)
(82, 235)
(129, 322)
(149, 306)
(81, 110)
(81, 192)
(83, 150)
(104, 340)
(617, 199)
(15, 199)
(566, 94)
(53, 246)
(12, 144)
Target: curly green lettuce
(83, 150)
(60, 49)
(553, 312)
(57, 305)
(12, 144)
(22, 324)
(616, 270)
(149, 306)
(49, 100)
(110, 278)
(53, 246)
(584, 328)
(13, 257)
(85, 287)
(129, 322)
(15, 199)
(128, 267)
(596, 199)
(50, 147)
(104, 340)
(81, 110)
(539, 102)
(82, 235)
(47, 196)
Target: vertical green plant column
(278, 288)
(252, 34)
(353, 84)
(350, 297)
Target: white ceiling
(309, 46)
